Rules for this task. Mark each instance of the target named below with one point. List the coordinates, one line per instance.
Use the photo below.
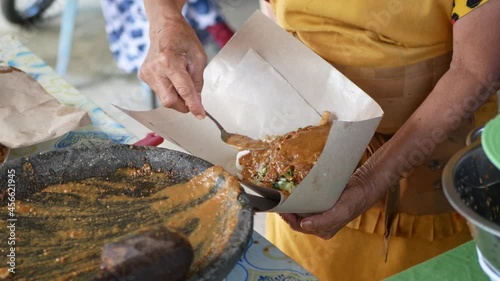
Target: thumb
(316, 222)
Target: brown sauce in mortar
(63, 228)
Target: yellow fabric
(376, 33)
(428, 227)
(358, 255)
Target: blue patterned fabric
(128, 29)
(201, 13)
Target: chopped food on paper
(288, 159)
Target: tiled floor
(92, 69)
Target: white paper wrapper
(266, 82)
(29, 115)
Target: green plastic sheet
(459, 264)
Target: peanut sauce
(64, 227)
(243, 142)
(292, 155)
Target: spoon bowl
(238, 141)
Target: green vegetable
(262, 172)
(284, 184)
(289, 174)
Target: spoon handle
(223, 132)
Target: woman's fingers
(152, 74)
(294, 222)
(185, 87)
(325, 225)
(174, 65)
(169, 78)
(168, 95)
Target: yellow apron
(422, 224)
(375, 33)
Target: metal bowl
(462, 179)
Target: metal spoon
(237, 141)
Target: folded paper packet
(29, 115)
(265, 82)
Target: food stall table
(260, 261)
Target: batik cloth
(128, 28)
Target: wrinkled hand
(174, 64)
(358, 196)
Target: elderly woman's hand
(174, 64)
(365, 187)
(352, 203)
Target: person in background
(429, 64)
(127, 28)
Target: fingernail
(306, 225)
(200, 117)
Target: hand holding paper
(359, 195)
